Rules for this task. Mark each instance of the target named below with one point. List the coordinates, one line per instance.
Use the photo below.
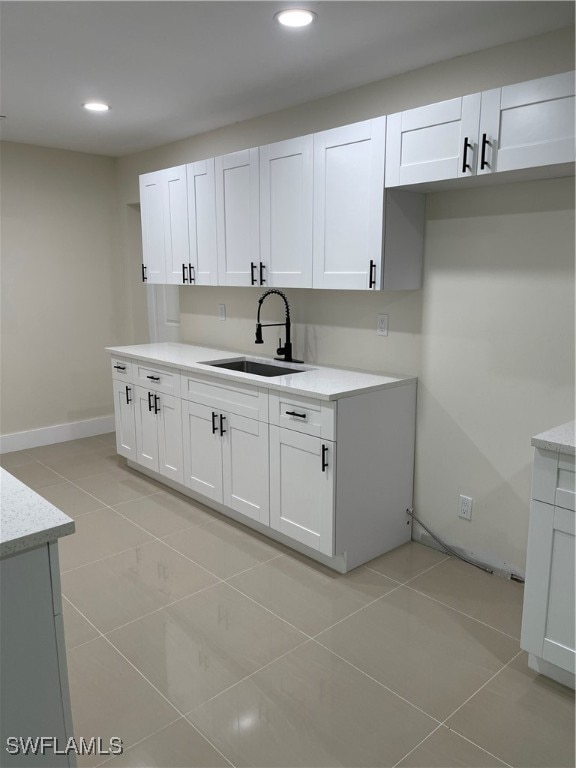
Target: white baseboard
(59, 433)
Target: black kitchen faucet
(285, 350)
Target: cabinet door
(548, 616)
(124, 419)
(528, 124)
(176, 224)
(146, 429)
(202, 222)
(348, 202)
(245, 462)
(428, 143)
(152, 213)
(170, 458)
(301, 491)
(286, 212)
(237, 216)
(202, 450)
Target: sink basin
(253, 366)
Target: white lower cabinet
(302, 488)
(124, 411)
(226, 459)
(159, 433)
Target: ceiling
(175, 69)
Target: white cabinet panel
(302, 488)
(202, 222)
(202, 450)
(528, 124)
(286, 212)
(176, 224)
(124, 419)
(152, 213)
(348, 205)
(237, 216)
(438, 141)
(169, 413)
(245, 467)
(146, 429)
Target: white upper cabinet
(439, 141)
(348, 205)
(527, 125)
(163, 209)
(238, 217)
(286, 185)
(203, 267)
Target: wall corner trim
(58, 433)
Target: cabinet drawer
(233, 397)
(121, 369)
(303, 414)
(554, 479)
(156, 378)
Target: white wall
(62, 286)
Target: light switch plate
(382, 325)
(221, 311)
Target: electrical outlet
(382, 325)
(221, 311)
(465, 507)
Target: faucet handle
(281, 350)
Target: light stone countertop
(312, 380)
(562, 439)
(26, 519)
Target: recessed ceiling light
(96, 106)
(295, 17)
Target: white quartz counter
(26, 519)
(316, 381)
(562, 438)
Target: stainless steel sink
(253, 366)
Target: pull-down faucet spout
(286, 350)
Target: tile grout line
(417, 745)
(420, 573)
(111, 760)
(500, 759)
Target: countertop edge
(32, 540)
(561, 438)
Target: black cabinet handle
(120, 367)
(465, 164)
(253, 280)
(222, 430)
(214, 423)
(184, 278)
(150, 406)
(324, 455)
(483, 162)
(294, 413)
(144, 268)
(153, 378)
(128, 398)
(191, 273)
(372, 276)
(262, 268)
(156, 403)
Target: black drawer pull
(253, 280)
(222, 430)
(299, 415)
(153, 378)
(150, 405)
(262, 268)
(483, 162)
(120, 367)
(191, 273)
(184, 278)
(144, 268)
(324, 460)
(214, 423)
(156, 402)
(465, 164)
(372, 278)
(128, 398)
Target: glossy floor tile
(311, 709)
(432, 655)
(15, 459)
(98, 534)
(35, 475)
(175, 746)
(446, 749)
(164, 513)
(524, 718)
(309, 596)
(124, 587)
(86, 464)
(118, 485)
(199, 646)
(76, 629)
(495, 600)
(222, 548)
(406, 561)
(110, 698)
(72, 500)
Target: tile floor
(200, 643)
